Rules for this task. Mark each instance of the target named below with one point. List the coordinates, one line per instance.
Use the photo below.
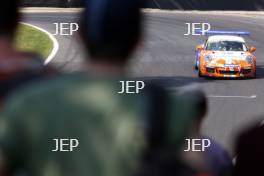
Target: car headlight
(208, 58)
(249, 59)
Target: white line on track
(54, 40)
(223, 96)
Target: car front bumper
(227, 72)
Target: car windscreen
(226, 46)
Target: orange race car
(225, 54)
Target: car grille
(228, 72)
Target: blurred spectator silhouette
(249, 151)
(16, 68)
(111, 31)
(166, 132)
(83, 106)
(215, 159)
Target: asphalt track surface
(166, 55)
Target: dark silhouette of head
(9, 17)
(196, 101)
(249, 150)
(111, 29)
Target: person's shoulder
(63, 87)
(57, 82)
(215, 146)
(32, 91)
(217, 153)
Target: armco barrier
(206, 4)
(51, 3)
(166, 4)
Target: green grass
(33, 40)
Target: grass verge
(31, 39)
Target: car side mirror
(200, 47)
(252, 49)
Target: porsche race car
(225, 54)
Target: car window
(226, 46)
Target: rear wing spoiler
(222, 32)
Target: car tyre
(255, 75)
(199, 73)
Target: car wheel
(196, 65)
(255, 75)
(199, 73)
